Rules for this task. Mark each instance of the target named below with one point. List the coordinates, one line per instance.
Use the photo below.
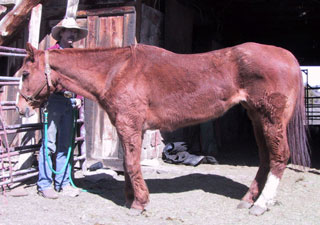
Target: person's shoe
(70, 191)
(48, 193)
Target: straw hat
(68, 23)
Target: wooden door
(111, 27)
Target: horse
(145, 87)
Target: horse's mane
(88, 50)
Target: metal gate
(18, 138)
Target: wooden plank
(72, 8)
(102, 140)
(7, 2)
(3, 9)
(34, 26)
(113, 163)
(129, 30)
(81, 43)
(106, 142)
(107, 28)
(44, 43)
(111, 32)
(92, 31)
(89, 105)
(138, 19)
(114, 11)
(104, 34)
(117, 31)
(11, 22)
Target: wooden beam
(11, 22)
(3, 9)
(34, 26)
(92, 31)
(129, 29)
(72, 9)
(116, 11)
(7, 2)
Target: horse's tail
(297, 132)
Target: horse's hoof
(244, 205)
(136, 212)
(257, 210)
(128, 205)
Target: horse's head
(35, 84)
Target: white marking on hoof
(257, 210)
(268, 193)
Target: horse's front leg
(136, 191)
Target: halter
(47, 83)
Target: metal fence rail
(312, 101)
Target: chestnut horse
(145, 87)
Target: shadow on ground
(113, 189)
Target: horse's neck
(85, 71)
(79, 72)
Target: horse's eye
(25, 74)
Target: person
(60, 119)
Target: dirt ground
(206, 194)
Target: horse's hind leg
(261, 176)
(270, 122)
(277, 144)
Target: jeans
(60, 123)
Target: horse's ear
(30, 51)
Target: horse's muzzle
(25, 112)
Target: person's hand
(78, 103)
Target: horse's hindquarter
(267, 70)
(188, 89)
